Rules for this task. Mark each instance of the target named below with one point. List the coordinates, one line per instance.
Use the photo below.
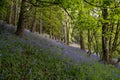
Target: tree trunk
(51, 29)
(82, 45)
(110, 39)
(65, 34)
(96, 43)
(15, 12)
(9, 14)
(68, 32)
(105, 40)
(114, 45)
(41, 24)
(89, 42)
(33, 28)
(21, 21)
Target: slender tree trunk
(15, 12)
(82, 45)
(41, 24)
(114, 45)
(65, 33)
(51, 29)
(110, 39)
(9, 14)
(33, 28)
(68, 32)
(89, 42)
(21, 21)
(105, 39)
(96, 42)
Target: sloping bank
(34, 57)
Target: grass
(20, 60)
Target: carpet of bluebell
(34, 57)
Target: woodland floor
(71, 53)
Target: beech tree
(21, 20)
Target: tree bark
(89, 42)
(15, 12)
(21, 21)
(105, 40)
(51, 28)
(96, 43)
(82, 46)
(114, 45)
(33, 28)
(65, 33)
(110, 39)
(68, 32)
(41, 24)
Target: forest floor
(8, 40)
(72, 51)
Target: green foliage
(52, 20)
(3, 7)
(3, 4)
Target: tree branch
(49, 2)
(116, 6)
(61, 5)
(43, 4)
(92, 4)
